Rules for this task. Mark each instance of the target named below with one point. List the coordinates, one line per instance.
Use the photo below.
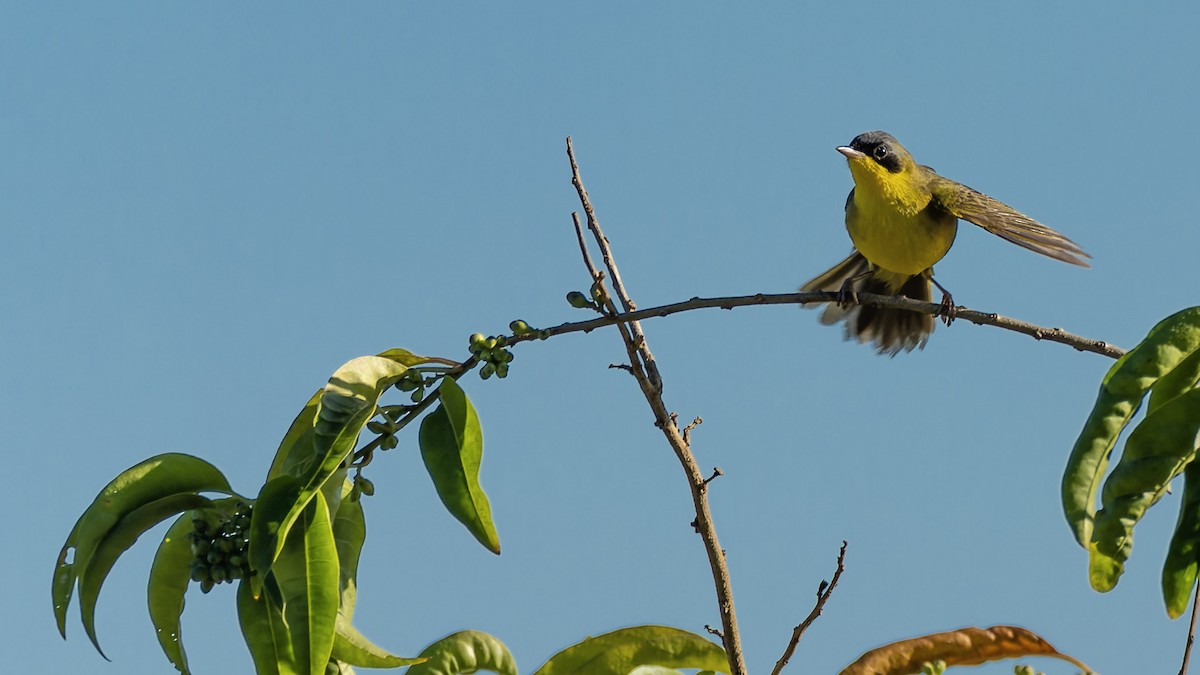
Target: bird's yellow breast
(894, 224)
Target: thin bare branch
(823, 592)
(1080, 343)
(643, 368)
(627, 304)
(1191, 636)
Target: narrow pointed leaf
(1168, 344)
(407, 358)
(170, 575)
(354, 648)
(468, 651)
(349, 535)
(619, 652)
(274, 503)
(346, 405)
(1156, 452)
(265, 633)
(119, 539)
(307, 573)
(963, 647)
(1183, 553)
(296, 449)
(161, 476)
(451, 442)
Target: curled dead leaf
(962, 647)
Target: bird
(902, 218)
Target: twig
(823, 593)
(1187, 650)
(1059, 335)
(618, 287)
(645, 370)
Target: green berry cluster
(387, 430)
(220, 550)
(412, 380)
(491, 353)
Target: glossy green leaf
(468, 651)
(1183, 553)
(161, 476)
(655, 670)
(119, 539)
(307, 573)
(619, 652)
(265, 633)
(296, 450)
(452, 446)
(1157, 451)
(346, 405)
(170, 575)
(1168, 344)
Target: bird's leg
(946, 309)
(846, 294)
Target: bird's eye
(880, 152)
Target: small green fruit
(476, 339)
(579, 300)
(366, 486)
(518, 327)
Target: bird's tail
(890, 330)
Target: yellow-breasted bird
(902, 218)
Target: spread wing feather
(1004, 221)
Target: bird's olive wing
(1004, 221)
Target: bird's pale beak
(850, 152)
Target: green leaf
(468, 651)
(619, 652)
(307, 573)
(1168, 344)
(346, 405)
(452, 447)
(170, 575)
(1183, 553)
(119, 539)
(296, 449)
(1156, 452)
(655, 670)
(1177, 381)
(161, 476)
(407, 358)
(274, 503)
(349, 535)
(265, 633)
(354, 648)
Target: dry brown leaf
(962, 647)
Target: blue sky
(206, 209)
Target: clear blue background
(207, 207)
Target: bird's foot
(846, 295)
(946, 309)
